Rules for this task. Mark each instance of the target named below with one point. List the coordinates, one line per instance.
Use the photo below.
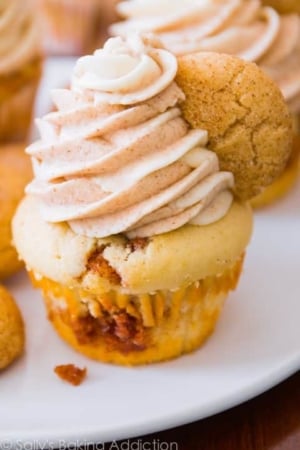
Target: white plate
(255, 346)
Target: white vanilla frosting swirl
(241, 27)
(19, 37)
(117, 156)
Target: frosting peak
(125, 71)
(118, 157)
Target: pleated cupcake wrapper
(16, 111)
(168, 322)
(70, 26)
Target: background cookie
(247, 119)
(15, 172)
(12, 336)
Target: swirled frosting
(240, 27)
(19, 38)
(117, 156)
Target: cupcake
(243, 28)
(284, 6)
(15, 173)
(70, 26)
(20, 68)
(129, 227)
(108, 15)
(109, 12)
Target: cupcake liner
(17, 96)
(138, 329)
(70, 26)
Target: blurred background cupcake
(108, 15)
(70, 27)
(284, 6)
(15, 173)
(20, 68)
(244, 28)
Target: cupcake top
(19, 38)
(239, 27)
(118, 157)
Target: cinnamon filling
(99, 265)
(137, 244)
(119, 330)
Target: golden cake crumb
(71, 374)
(99, 265)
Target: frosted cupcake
(242, 28)
(70, 26)
(20, 68)
(129, 227)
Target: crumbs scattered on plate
(71, 374)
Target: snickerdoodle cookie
(12, 335)
(244, 112)
(15, 172)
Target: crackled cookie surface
(248, 122)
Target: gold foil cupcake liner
(17, 98)
(138, 329)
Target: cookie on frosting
(12, 334)
(247, 120)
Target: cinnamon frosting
(19, 37)
(118, 157)
(240, 27)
